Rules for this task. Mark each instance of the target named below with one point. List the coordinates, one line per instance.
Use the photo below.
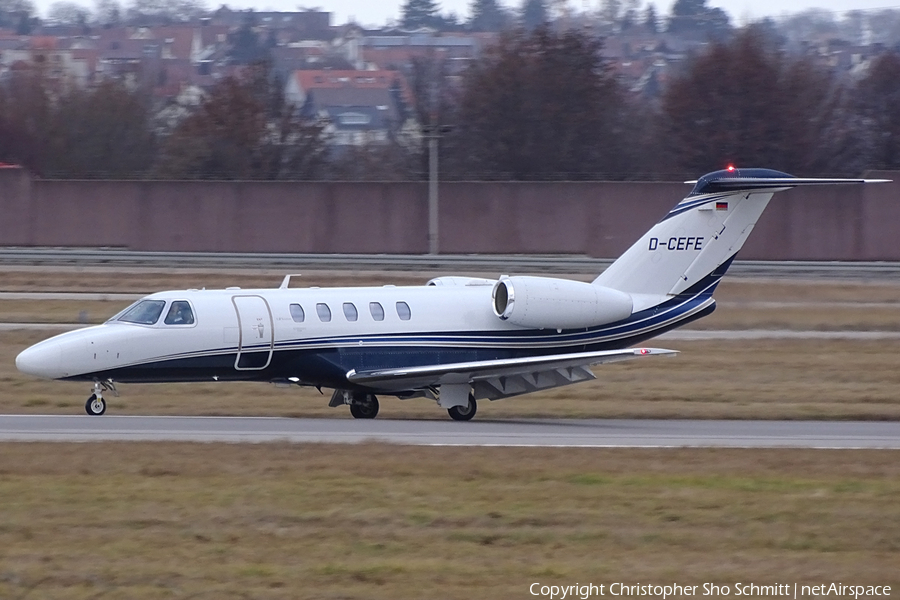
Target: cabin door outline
(256, 332)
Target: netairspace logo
(787, 590)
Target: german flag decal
(721, 206)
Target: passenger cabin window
(377, 311)
(350, 311)
(180, 313)
(297, 313)
(403, 311)
(145, 312)
(324, 312)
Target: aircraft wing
(503, 377)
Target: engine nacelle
(548, 303)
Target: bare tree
(26, 109)
(108, 13)
(68, 13)
(877, 102)
(540, 105)
(101, 132)
(244, 130)
(18, 15)
(743, 102)
(164, 11)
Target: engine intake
(549, 303)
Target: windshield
(145, 312)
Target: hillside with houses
(369, 92)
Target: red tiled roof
(336, 79)
(43, 42)
(309, 80)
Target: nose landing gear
(96, 405)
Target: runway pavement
(606, 433)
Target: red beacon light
(730, 168)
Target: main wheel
(464, 413)
(95, 406)
(364, 406)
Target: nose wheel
(96, 405)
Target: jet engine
(548, 303)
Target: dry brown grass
(140, 280)
(59, 311)
(148, 521)
(218, 521)
(716, 379)
(802, 318)
(808, 290)
(730, 315)
(768, 379)
(727, 316)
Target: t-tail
(689, 250)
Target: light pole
(433, 133)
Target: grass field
(713, 379)
(147, 520)
(763, 379)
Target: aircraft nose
(41, 360)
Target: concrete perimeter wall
(599, 219)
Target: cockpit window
(180, 313)
(145, 312)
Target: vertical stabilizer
(695, 238)
(702, 234)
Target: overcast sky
(378, 12)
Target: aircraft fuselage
(256, 335)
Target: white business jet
(456, 340)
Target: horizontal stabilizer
(468, 372)
(730, 184)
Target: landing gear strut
(464, 413)
(96, 405)
(363, 406)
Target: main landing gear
(464, 413)
(363, 406)
(96, 405)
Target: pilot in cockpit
(180, 314)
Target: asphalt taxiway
(599, 433)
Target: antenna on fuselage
(286, 282)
